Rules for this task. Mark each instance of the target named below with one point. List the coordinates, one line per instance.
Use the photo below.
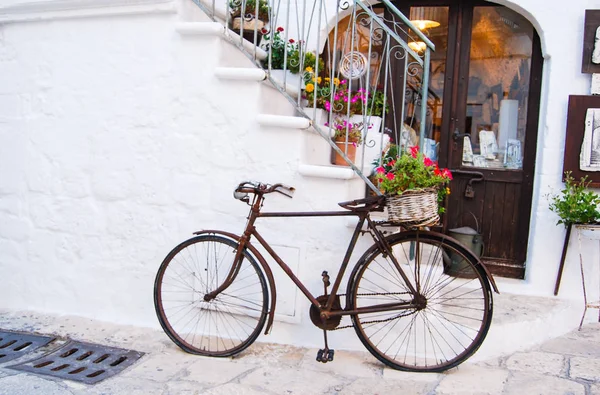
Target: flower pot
(293, 81)
(350, 152)
(249, 26)
(414, 208)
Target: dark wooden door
(483, 113)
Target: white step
(240, 74)
(283, 121)
(200, 28)
(335, 172)
(217, 29)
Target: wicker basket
(414, 208)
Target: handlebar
(258, 188)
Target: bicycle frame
(326, 311)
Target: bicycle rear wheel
(223, 326)
(450, 314)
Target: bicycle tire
(220, 327)
(452, 321)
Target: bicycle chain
(377, 321)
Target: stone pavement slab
(569, 364)
(534, 384)
(538, 362)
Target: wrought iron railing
(358, 71)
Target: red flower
(292, 41)
(390, 176)
(279, 29)
(414, 151)
(437, 171)
(427, 162)
(264, 31)
(380, 170)
(392, 163)
(447, 173)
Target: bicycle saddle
(374, 203)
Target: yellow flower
(336, 81)
(310, 87)
(309, 69)
(327, 79)
(319, 80)
(447, 191)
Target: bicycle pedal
(325, 355)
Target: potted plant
(414, 186)
(347, 136)
(316, 91)
(245, 14)
(574, 204)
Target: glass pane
(500, 62)
(433, 22)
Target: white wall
(117, 142)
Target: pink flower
(279, 29)
(392, 163)
(390, 176)
(327, 105)
(427, 162)
(380, 170)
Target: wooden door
(483, 114)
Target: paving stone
(345, 363)
(184, 387)
(393, 374)
(262, 354)
(537, 362)
(472, 379)
(160, 367)
(571, 346)
(30, 384)
(585, 368)
(233, 389)
(121, 385)
(214, 371)
(293, 380)
(589, 332)
(537, 384)
(384, 387)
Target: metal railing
(358, 71)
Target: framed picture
(582, 141)
(591, 42)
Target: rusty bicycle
(417, 299)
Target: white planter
(318, 115)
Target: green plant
(310, 61)
(397, 174)
(352, 131)
(247, 8)
(277, 48)
(575, 204)
(376, 104)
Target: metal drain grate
(14, 344)
(83, 362)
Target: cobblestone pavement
(569, 364)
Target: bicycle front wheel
(220, 327)
(448, 315)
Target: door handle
(456, 135)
